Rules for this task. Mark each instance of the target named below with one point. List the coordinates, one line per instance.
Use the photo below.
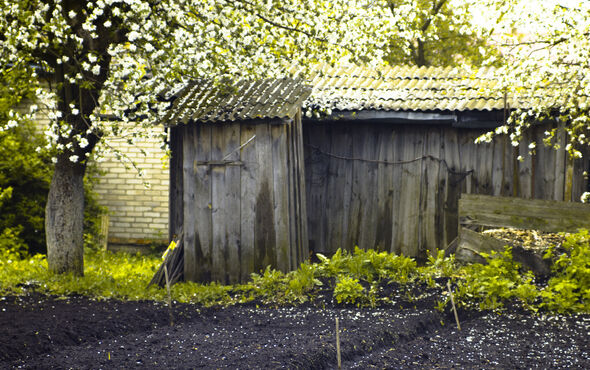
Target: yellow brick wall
(137, 214)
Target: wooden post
(569, 180)
(169, 296)
(453, 304)
(338, 357)
(104, 231)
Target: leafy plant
(302, 282)
(490, 285)
(358, 278)
(349, 290)
(568, 289)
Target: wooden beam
(545, 215)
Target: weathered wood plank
(191, 247)
(368, 148)
(525, 168)
(281, 197)
(456, 178)
(248, 191)
(409, 216)
(264, 230)
(318, 166)
(429, 232)
(301, 191)
(472, 244)
(498, 165)
(508, 166)
(483, 165)
(384, 190)
(232, 200)
(335, 189)
(468, 154)
(203, 208)
(560, 162)
(399, 139)
(544, 162)
(579, 175)
(545, 215)
(292, 189)
(219, 206)
(175, 202)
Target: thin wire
(464, 174)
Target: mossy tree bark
(64, 218)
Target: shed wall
(239, 210)
(396, 187)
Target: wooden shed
(386, 168)
(383, 165)
(237, 186)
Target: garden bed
(77, 332)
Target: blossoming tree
(547, 71)
(111, 64)
(443, 32)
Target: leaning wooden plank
(174, 261)
(545, 215)
(472, 244)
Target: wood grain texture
(545, 215)
(175, 196)
(232, 202)
(349, 197)
(248, 190)
(189, 205)
(281, 197)
(301, 191)
(203, 202)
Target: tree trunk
(64, 218)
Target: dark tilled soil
(48, 333)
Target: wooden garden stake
(169, 295)
(453, 304)
(339, 359)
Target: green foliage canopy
(439, 33)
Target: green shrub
(568, 289)
(369, 265)
(349, 290)
(490, 285)
(355, 278)
(27, 173)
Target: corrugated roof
(205, 101)
(348, 88)
(404, 88)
